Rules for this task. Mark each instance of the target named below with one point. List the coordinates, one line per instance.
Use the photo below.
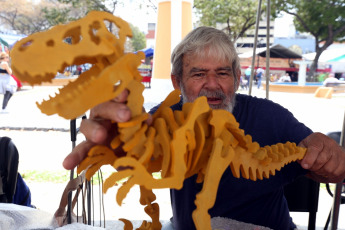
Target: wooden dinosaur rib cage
(179, 144)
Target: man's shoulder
(251, 104)
(244, 98)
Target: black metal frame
(335, 136)
(302, 195)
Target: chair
(303, 196)
(9, 160)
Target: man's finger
(111, 110)
(95, 131)
(122, 97)
(77, 155)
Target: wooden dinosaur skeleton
(179, 144)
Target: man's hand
(97, 129)
(324, 158)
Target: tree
(138, 40)
(323, 19)
(84, 6)
(25, 17)
(56, 16)
(238, 16)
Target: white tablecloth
(15, 217)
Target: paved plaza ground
(43, 142)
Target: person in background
(285, 78)
(8, 85)
(342, 77)
(79, 70)
(259, 75)
(205, 63)
(247, 75)
(331, 79)
(294, 77)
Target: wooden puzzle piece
(179, 144)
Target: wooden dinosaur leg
(146, 198)
(127, 223)
(219, 160)
(152, 209)
(138, 174)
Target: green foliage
(76, 9)
(46, 176)
(57, 176)
(56, 16)
(63, 176)
(235, 16)
(315, 17)
(324, 19)
(88, 5)
(73, 10)
(138, 40)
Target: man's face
(207, 76)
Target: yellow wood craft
(179, 144)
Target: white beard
(228, 102)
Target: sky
(141, 17)
(281, 25)
(136, 16)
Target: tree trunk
(313, 68)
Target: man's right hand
(98, 128)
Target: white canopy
(333, 57)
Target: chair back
(303, 196)
(9, 160)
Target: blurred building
(150, 36)
(299, 44)
(246, 43)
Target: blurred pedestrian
(247, 74)
(8, 86)
(259, 73)
(79, 70)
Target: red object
(19, 84)
(146, 81)
(146, 74)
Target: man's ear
(175, 81)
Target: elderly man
(331, 79)
(205, 63)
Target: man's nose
(211, 81)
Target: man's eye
(224, 74)
(198, 75)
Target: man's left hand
(324, 158)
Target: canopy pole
(254, 48)
(268, 27)
(337, 191)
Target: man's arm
(5, 66)
(324, 158)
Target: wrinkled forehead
(208, 53)
(216, 53)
